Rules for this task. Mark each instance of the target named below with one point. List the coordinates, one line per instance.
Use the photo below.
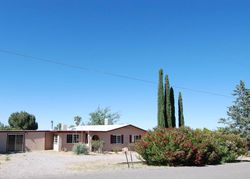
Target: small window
(69, 139)
(116, 139)
(137, 137)
(134, 138)
(72, 138)
(75, 138)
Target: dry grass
(101, 165)
(104, 166)
(4, 159)
(90, 166)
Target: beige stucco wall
(105, 136)
(34, 141)
(3, 142)
(65, 145)
(49, 139)
(126, 132)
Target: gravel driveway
(52, 165)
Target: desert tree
(23, 121)
(99, 116)
(238, 120)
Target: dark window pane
(69, 139)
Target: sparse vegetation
(7, 158)
(97, 146)
(116, 149)
(80, 148)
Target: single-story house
(115, 137)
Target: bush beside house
(97, 146)
(187, 147)
(80, 148)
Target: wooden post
(125, 150)
(131, 159)
(127, 159)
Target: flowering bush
(187, 147)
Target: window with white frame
(116, 139)
(73, 138)
(134, 138)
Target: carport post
(89, 141)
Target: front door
(15, 143)
(56, 142)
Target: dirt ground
(50, 164)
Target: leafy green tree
(180, 111)
(23, 121)
(101, 114)
(167, 106)
(77, 120)
(58, 127)
(172, 104)
(238, 120)
(4, 127)
(161, 116)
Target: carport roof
(88, 128)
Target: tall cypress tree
(167, 108)
(172, 105)
(180, 111)
(161, 120)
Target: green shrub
(117, 149)
(97, 145)
(80, 149)
(187, 147)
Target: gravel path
(52, 165)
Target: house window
(134, 138)
(116, 139)
(72, 138)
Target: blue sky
(202, 45)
